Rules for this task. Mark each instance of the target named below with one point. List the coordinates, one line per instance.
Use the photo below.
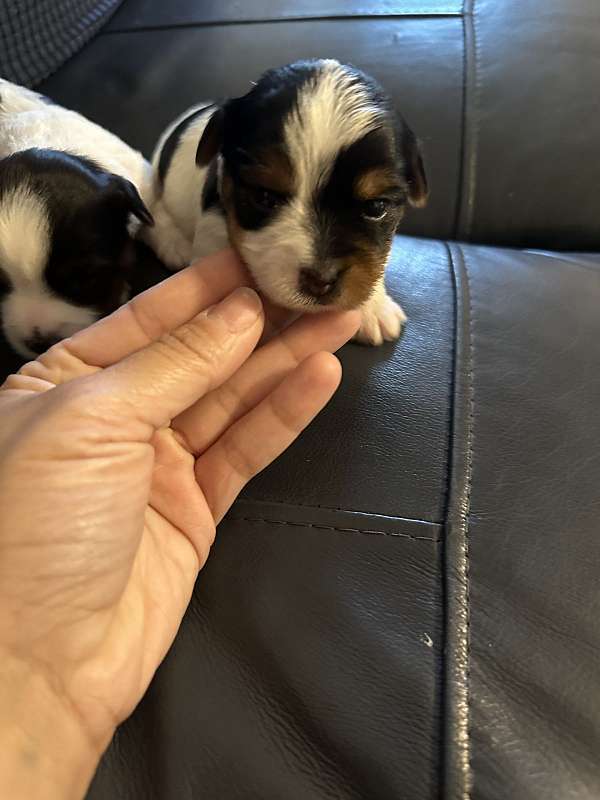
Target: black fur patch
(255, 120)
(88, 211)
(340, 214)
(210, 190)
(55, 175)
(170, 145)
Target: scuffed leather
(273, 688)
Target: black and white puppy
(68, 190)
(308, 176)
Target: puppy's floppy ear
(418, 191)
(129, 196)
(212, 138)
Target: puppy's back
(28, 120)
(178, 181)
(189, 124)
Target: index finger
(160, 309)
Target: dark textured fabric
(38, 36)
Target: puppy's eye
(266, 199)
(375, 210)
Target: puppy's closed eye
(269, 173)
(265, 199)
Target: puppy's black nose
(316, 284)
(40, 342)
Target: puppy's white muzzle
(34, 315)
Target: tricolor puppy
(307, 175)
(68, 191)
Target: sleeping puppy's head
(316, 170)
(65, 249)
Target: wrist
(46, 752)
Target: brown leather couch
(406, 605)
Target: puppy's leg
(210, 235)
(172, 247)
(382, 318)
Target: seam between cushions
(469, 488)
(457, 777)
(471, 121)
(460, 186)
(433, 14)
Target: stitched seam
(468, 509)
(472, 98)
(340, 529)
(343, 510)
(476, 131)
(451, 384)
(467, 517)
(457, 771)
(463, 132)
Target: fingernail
(238, 311)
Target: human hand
(120, 451)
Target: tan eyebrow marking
(375, 183)
(272, 170)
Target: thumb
(156, 383)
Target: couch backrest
(502, 93)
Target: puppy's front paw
(168, 242)
(382, 321)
